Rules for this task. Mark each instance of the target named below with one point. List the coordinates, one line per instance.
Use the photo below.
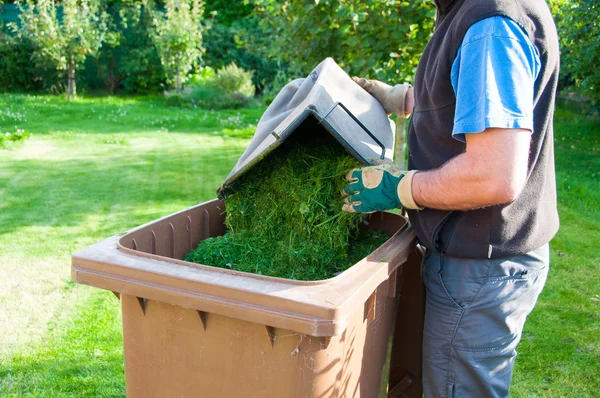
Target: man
(480, 192)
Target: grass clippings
(285, 218)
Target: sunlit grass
(559, 355)
(91, 169)
(100, 166)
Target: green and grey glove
(377, 188)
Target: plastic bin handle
(366, 130)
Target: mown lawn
(99, 166)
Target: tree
(578, 29)
(381, 39)
(63, 40)
(178, 37)
(235, 36)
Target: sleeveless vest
(531, 220)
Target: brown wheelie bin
(191, 330)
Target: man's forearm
(492, 171)
(453, 187)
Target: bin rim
(122, 246)
(318, 309)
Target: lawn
(99, 166)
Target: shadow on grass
(121, 190)
(83, 357)
(74, 375)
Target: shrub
(178, 38)
(240, 43)
(207, 96)
(176, 99)
(202, 76)
(577, 26)
(8, 138)
(131, 62)
(210, 97)
(232, 79)
(214, 90)
(63, 42)
(17, 72)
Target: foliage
(242, 42)
(285, 218)
(374, 38)
(202, 75)
(578, 24)
(228, 88)
(16, 136)
(232, 79)
(178, 37)
(176, 99)
(228, 12)
(130, 62)
(207, 96)
(16, 70)
(63, 43)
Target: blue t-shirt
(493, 77)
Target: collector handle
(362, 126)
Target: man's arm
(492, 170)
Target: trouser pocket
(475, 313)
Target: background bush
(132, 64)
(63, 34)
(233, 79)
(17, 73)
(210, 97)
(279, 41)
(579, 30)
(235, 35)
(228, 88)
(374, 38)
(177, 35)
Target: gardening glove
(393, 99)
(377, 188)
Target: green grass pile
(285, 218)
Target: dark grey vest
(497, 231)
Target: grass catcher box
(197, 331)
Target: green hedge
(381, 39)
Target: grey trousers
(474, 316)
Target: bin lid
(354, 117)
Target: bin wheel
(398, 390)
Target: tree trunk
(71, 85)
(178, 79)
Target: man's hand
(398, 99)
(377, 188)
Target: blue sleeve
(493, 77)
